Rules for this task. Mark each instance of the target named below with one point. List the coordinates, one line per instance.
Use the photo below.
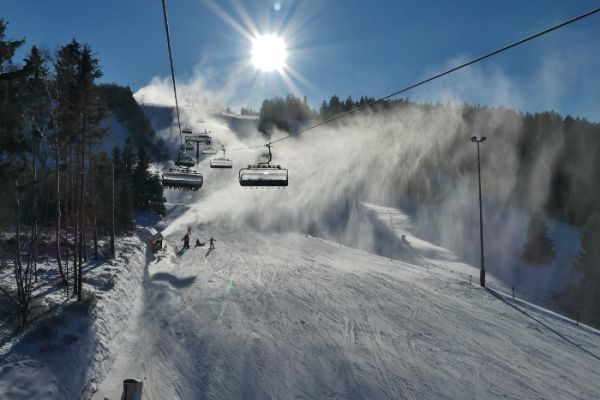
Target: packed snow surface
(289, 316)
(65, 353)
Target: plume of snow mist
(366, 158)
(416, 156)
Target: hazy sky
(347, 47)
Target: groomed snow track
(289, 316)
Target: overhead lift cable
(183, 177)
(427, 80)
(164, 4)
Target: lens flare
(269, 52)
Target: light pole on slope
(477, 141)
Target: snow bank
(66, 353)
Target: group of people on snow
(186, 241)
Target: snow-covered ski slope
(290, 316)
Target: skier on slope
(212, 243)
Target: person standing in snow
(212, 243)
(186, 241)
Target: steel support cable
(164, 4)
(431, 78)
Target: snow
(505, 229)
(370, 309)
(66, 352)
(286, 316)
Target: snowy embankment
(64, 354)
(505, 231)
(284, 316)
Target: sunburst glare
(269, 52)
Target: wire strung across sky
(427, 80)
(164, 4)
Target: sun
(269, 52)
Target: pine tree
(11, 118)
(582, 296)
(148, 190)
(36, 111)
(124, 197)
(587, 261)
(538, 249)
(324, 110)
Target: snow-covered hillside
(311, 293)
(116, 136)
(66, 351)
(505, 229)
(286, 316)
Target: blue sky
(338, 47)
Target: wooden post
(132, 389)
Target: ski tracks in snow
(283, 316)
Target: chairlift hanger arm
(268, 162)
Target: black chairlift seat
(182, 179)
(198, 139)
(263, 175)
(189, 146)
(202, 137)
(221, 163)
(209, 150)
(186, 131)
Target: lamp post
(477, 141)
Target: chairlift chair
(189, 146)
(221, 162)
(209, 151)
(187, 130)
(264, 174)
(182, 179)
(202, 137)
(184, 161)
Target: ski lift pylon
(264, 174)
